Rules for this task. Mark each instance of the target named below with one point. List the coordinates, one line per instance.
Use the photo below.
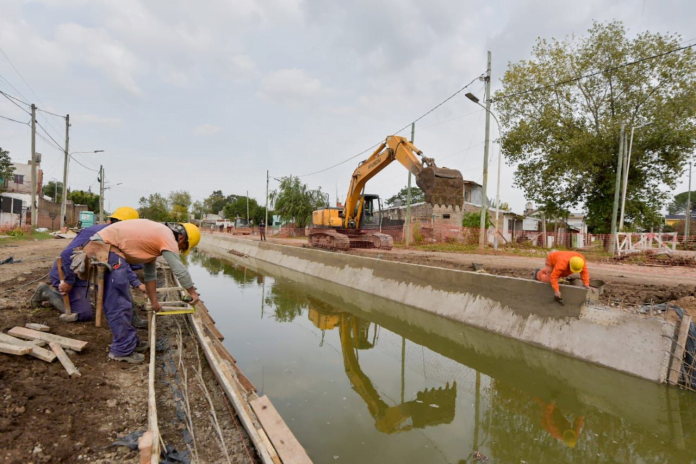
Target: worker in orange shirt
(562, 264)
(558, 426)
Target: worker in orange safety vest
(562, 264)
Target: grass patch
(12, 236)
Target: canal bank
(520, 309)
(369, 380)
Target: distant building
(20, 182)
(673, 219)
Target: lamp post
(474, 99)
(63, 205)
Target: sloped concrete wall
(520, 309)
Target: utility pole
(408, 195)
(64, 199)
(267, 179)
(687, 225)
(627, 163)
(34, 206)
(484, 193)
(617, 190)
(101, 194)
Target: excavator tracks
(337, 241)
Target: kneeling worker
(74, 287)
(141, 241)
(562, 264)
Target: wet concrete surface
(362, 379)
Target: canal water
(362, 380)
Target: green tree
(417, 196)
(678, 204)
(80, 197)
(237, 207)
(53, 188)
(197, 208)
(215, 202)
(6, 168)
(180, 202)
(473, 220)
(294, 202)
(563, 133)
(155, 208)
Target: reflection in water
(465, 397)
(431, 406)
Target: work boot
(45, 292)
(133, 358)
(142, 347)
(137, 321)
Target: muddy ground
(45, 416)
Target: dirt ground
(45, 416)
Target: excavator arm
(441, 186)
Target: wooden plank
(170, 289)
(289, 449)
(14, 349)
(37, 352)
(39, 327)
(64, 360)
(678, 355)
(152, 424)
(73, 344)
(145, 447)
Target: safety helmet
(577, 264)
(570, 438)
(125, 213)
(193, 233)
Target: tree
(417, 196)
(237, 207)
(215, 202)
(53, 190)
(678, 205)
(563, 132)
(80, 197)
(473, 220)
(197, 209)
(294, 202)
(180, 202)
(6, 168)
(154, 207)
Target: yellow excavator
(431, 407)
(358, 224)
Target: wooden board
(152, 423)
(289, 449)
(39, 327)
(21, 332)
(14, 349)
(65, 360)
(37, 352)
(678, 356)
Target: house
(20, 182)
(674, 219)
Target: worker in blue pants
(118, 308)
(74, 287)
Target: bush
(18, 232)
(417, 234)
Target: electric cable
(12, 100)
(601, 71)
(400, 130)
(14, 120)
(75, 160)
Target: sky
(209, 95)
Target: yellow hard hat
(577, 264)
(125, 213)
(570, 438)
(194, 235)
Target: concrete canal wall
(516, 308)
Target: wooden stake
(152, 425)
(64, 360)
(100, 296)
(21, 332)
(14, 349)
(145, 446)
(678, 355)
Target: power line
(11, 99)
(400, 130)
(601, 71)
(14, 120)
(49, 136)
(75, 160)
(52, 114)
(13, 88)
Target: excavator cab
(371, 211)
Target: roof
(680, 216)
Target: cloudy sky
(208, 95)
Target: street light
(475, 99)
(64, 203)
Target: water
(363, 380)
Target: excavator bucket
(441, 186)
